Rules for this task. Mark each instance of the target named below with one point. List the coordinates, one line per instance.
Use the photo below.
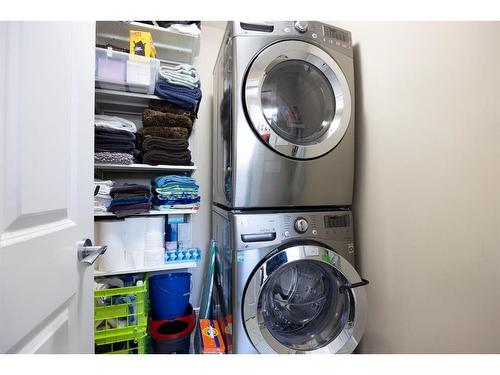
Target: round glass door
(298, 99)
(296, 301)
(302, 306)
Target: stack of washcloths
(102, 199)
(175, 192)
(179, 85)
(114, 140)
(130, 199)
(163, 137)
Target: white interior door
(46, 172)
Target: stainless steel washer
(289, 281)
(284, 116)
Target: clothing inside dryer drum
(298, 101)
(302, 306)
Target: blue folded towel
(182, 96)
(162, 202)
(130, 200)
(163, 181)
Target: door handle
(363, 282)
(87, 254)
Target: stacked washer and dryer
(283, 167)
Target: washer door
(297, 99)
(300, 303)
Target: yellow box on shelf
(141, 43)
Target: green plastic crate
(120, 315)
(131, 346)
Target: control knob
(301, 225)
(301, 26)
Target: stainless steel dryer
(283, 131)
(294, 288)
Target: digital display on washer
(337, 221)
(333, 33)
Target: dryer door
(304, 303)
(297, 99)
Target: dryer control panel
(320, 32)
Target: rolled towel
(151, 117)
(162, 131)
(182, 96)
(163, 106)
(167, 158)
(165, 144)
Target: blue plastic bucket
(169, 294)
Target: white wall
(201, 144)
(427, 194)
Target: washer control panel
(263, 229)
(318, 224)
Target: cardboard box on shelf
(141, 43)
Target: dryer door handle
(363, 282)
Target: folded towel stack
(180, 85)
(130, 199)
(175, 192)
(114, 140)
(102, 199)
(167, 151)
(163, 138)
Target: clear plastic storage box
(124, 72)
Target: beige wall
(427, 194)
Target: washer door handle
(363, 282)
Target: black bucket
(172, 335)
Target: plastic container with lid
(121, 71)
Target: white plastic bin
(124, 72)
(154, 257)
(111, 233)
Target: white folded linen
(191, 29)
(182, 75)
(114, 122)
